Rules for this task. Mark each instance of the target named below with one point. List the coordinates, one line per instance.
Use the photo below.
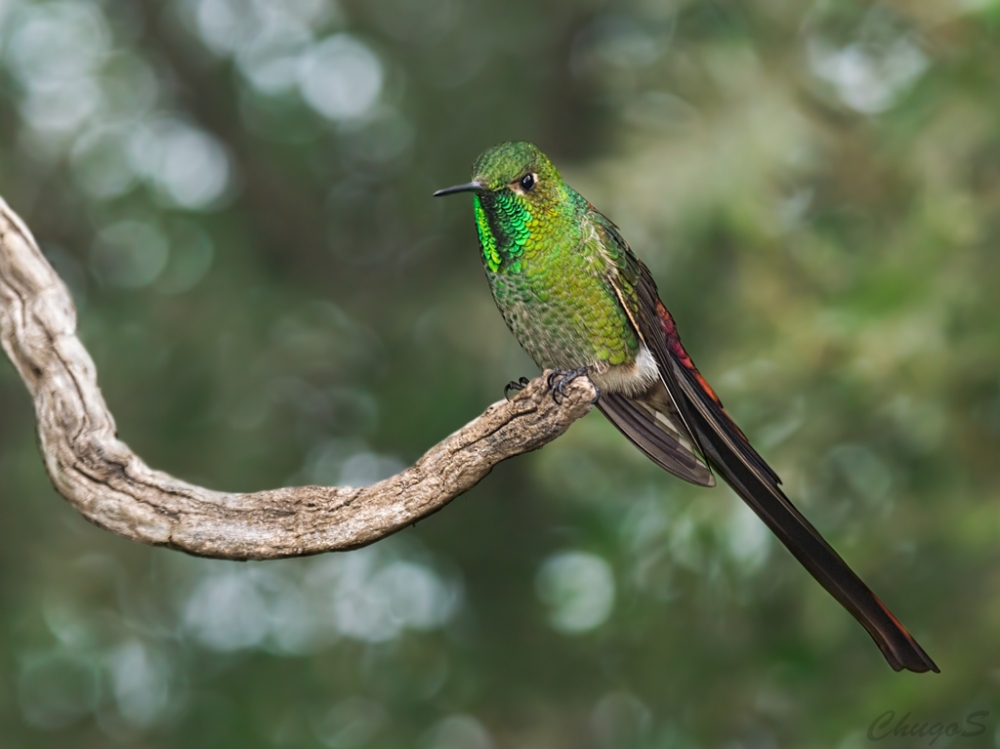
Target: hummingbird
(580, 302)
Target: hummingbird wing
(653, 425)
(649, 419)
(728, 451)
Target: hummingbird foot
(560, 378)
(520, 384)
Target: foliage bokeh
(238, 194)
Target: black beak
(467, 187)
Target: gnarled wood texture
(113, 488)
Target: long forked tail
(729, 453)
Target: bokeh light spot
(129, 254)
(578, 588)
(189, 167)
(351, 723)
(227, 612)
(341, 78)
(459, 732)
(141, 682)
(56, 690)
(620, 721)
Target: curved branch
(114, 489)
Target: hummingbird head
(516, 166)
(517, 192)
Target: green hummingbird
(580, 302)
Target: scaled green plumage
(546, 268)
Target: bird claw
(519, 384)
(560, 378)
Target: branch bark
(114, 489)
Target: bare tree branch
(114, 489)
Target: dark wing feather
(731, 455)
(663, 439)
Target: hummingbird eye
(527, 181)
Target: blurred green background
(238, 194)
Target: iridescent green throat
(503, 240)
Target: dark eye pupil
(527, 182)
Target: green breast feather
(514, 221)
(554, 284)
